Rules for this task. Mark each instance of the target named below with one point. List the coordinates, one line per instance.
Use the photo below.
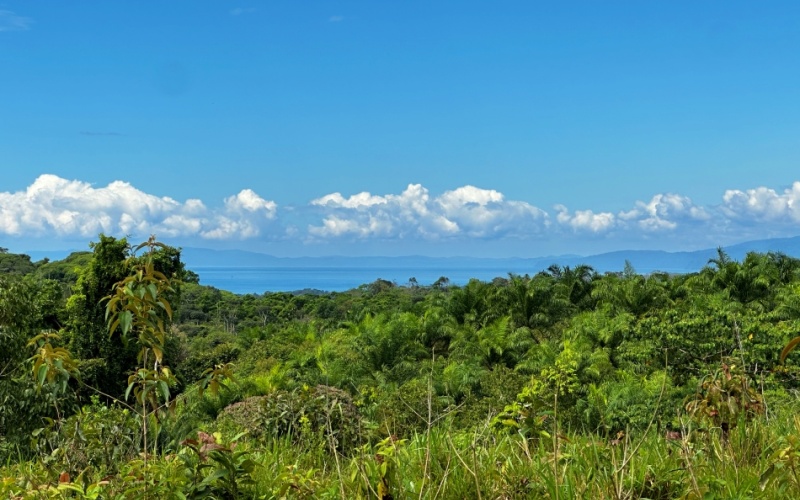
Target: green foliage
(193, 367)
(628, 402)
(307, 415)
(539, 400)
(27, 307)
(597, 386)
(52, 366)
(86, 331)
(378, 467)
(724, 398)
(18, 264)
(632, 293)
(137, 279)
(410, 407)
(527, 416)
(65, 271)
(98, 438)
(497, 387)
(217, 470)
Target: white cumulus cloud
(71, 208)
(665, 211)
(247, 201)
(763, 204)
(244, 215)
(585, 220)
(466, 211)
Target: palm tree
(745, 282)
(631, 292)
(536, 303)
(787, 268)
(576, 282)
(470, 304)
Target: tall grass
(756, 459)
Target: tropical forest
(123, 376)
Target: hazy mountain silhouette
(644, 261)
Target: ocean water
(332, 279)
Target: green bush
(497, 388)
(305, 415)
(628, 403)
(409, 408)
(191, 369)
(97, 438)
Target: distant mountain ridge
(644, 261)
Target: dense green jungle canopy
(610, 386)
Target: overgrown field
(121, 376)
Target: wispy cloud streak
(9, 21)
(238, 11)
(92, 133)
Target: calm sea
(333, 279)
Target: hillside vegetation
(121, 376)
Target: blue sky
(368, 127)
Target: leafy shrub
(527, 416)
(725, 397)
(191, 369)
(98, 437)
(407, 409)
(628, 403)
(217, 470)
(209, 405)
(497, 388)
(553, 393)
(304, 414)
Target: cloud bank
(60, 208)
(53, 206)
(467, 211)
